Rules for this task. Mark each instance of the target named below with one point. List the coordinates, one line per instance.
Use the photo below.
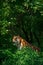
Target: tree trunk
(31, 36)
(26, 35)
(36, 39)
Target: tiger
(20, 43)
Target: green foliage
(26, 14)
(20, 17)
(26, 56)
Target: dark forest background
(23, 18)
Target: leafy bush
(26, 56)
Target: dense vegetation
(23, 57)
(23, 18)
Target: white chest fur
(21, 46)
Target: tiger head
(16, 41)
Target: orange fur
(22, 43)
